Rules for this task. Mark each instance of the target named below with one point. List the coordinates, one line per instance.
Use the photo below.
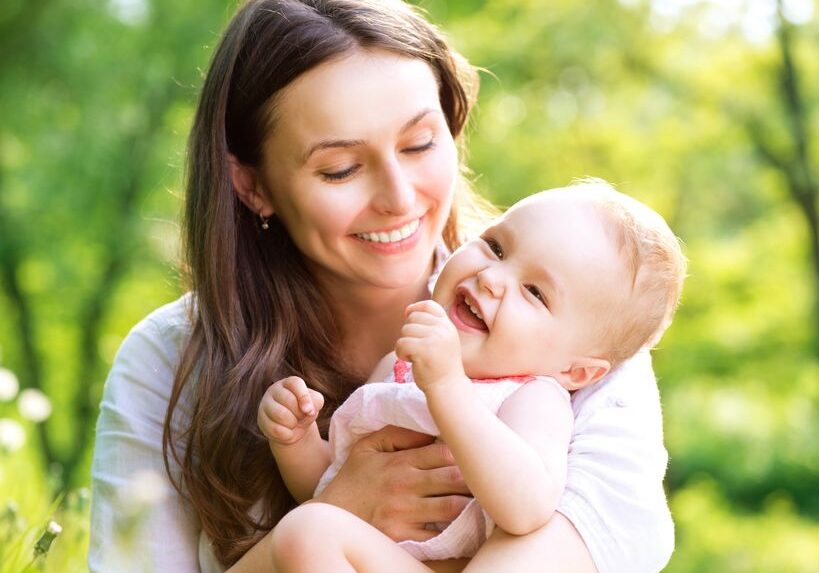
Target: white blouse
(614, 494)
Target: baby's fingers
(301, 392)
(295, 395)
(275, 414)
(406, 348)
(415, 330)
(426, 306)
(318, 400)
(424, 318)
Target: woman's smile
(394, 240)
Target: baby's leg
(317, 538)
(557, 546)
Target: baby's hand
(430, 341)
(287, 410)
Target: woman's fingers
(434, 455)
(392, 439)
(438, 509)
(440, 481)
(397, 481)
(417, 533)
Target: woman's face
(360, 167)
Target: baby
(556, 293)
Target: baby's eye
(494, 246)
(537, 294)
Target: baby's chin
(479, 369)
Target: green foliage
(684, 112)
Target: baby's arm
(287, 417)
(514, 464)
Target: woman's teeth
(393, 236)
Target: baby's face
(526, 295)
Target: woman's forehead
(360, 94)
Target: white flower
(12, 435)
(33, 405)
(8, 385)
(54, 528)
(145, 489)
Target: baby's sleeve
(614, 491)
(128, 445)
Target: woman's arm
(128, 447)
(514, 463)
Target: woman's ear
(584, 372)
(247, 187)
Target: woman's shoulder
(146, 362)
(631, 383)
(627, 397)
(172, 320)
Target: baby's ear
(584, 372)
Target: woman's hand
(397, 480)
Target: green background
(705, 110)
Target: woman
(323, 190)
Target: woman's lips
(401, 246)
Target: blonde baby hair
(655, 264)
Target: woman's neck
(370, 320)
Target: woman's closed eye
(538, 294)
(421, 148)
(339, 175)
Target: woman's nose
(396, 195)
(491, 281)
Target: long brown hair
(258, 315)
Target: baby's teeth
(475, 312)
(395, 236)
(383, 238)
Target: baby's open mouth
(469, 314)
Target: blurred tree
(793, 160)
(98, 92)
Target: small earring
(265, 224)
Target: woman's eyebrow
(345, 143)
(416, 118)
(329, 144)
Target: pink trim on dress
(401, 368)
